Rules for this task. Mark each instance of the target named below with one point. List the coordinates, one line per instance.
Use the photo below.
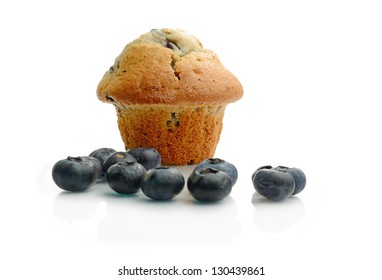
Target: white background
(312, 73)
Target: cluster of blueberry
(141, 169)
(278, 183)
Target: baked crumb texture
(170, 94)
(182, 135)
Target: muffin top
(168, 66)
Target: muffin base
(182, 135)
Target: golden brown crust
(148, 72)
(170, 94)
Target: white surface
(312, 74)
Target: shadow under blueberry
(277, 216)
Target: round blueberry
(97, 165)
(148, 157)
(75, 173)
(298, 176)
(262, 167)
(209, 184)
(222, 165)
(125, 177)
(117, 157)
(273, 184)
(162, 183)
(102, 154)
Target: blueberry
(117, 157)
(75, 173)
(162, 183)
(97, 164)
(209, 184)
(125, 177)
(298, 176)
(222, 165)
(263, 167)
(272, 183)
(148, 157)
(102, 154)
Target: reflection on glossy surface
(137, 219)
(72, 207)
(182, 220)
(273, 216)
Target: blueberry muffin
(170, 93)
